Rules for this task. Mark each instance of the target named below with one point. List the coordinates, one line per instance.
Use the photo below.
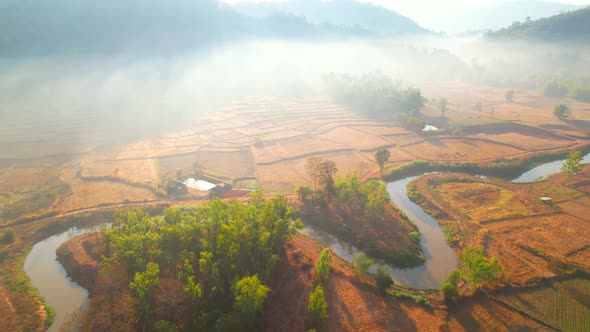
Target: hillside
(87, 27)
(494, 16)
(569, 26)
(345, 14)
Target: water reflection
(63, 295)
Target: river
(63, 295)
(67, 297)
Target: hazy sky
(427, 11)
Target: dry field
(267, 140)
(481, 314)
(530, 238)
(528, 107)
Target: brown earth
(80, 258)
(353, 304)
(531, 239)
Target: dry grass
(94, 193)
(453, 149)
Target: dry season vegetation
(532, 240)
(267, 142)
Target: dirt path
(95, 209)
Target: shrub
(317, 309)
(360, 264)
(9, 236)
(322, 267)
(383, 279)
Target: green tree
(322, 267)
(443, 103)
(450, 287)
(327, 170)
(478, 269)
(561, 111)
(9, 236)
(249, 294)
(382, 156)
(573, 164)
(361, 264)
(412, 101)
(303, 192)
(383, 279)
(317, 308)
(142, 286)
(509, 95)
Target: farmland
(562, 303)
(266, 142)
(531, 239)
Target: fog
(81, 101)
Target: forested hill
(569, 26)
(343, 13)
(44, 27)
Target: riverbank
(532, 239)
(505, 168)
(21, 303)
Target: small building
(546, 199)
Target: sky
(424, 12)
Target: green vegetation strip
(505, 169)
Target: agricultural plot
(531, 239)
(356, 139)
(482, 314)
(28, 191)
(564, 304)
(135, 171)
(452, 149)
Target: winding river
(67, 297)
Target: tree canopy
(573, 164)
(382, 156)
(561, 111)
(219, 255)
(478, 269)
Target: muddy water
(540, 172)
(63, 295)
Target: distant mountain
(570, 26)
(341, 13)
(498, 15)
(44, 27)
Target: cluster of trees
(191, 269)
(377, 95)
(477, 271)
(568, 26)
(555, 86)
(362, 199)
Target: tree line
(377, 95)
